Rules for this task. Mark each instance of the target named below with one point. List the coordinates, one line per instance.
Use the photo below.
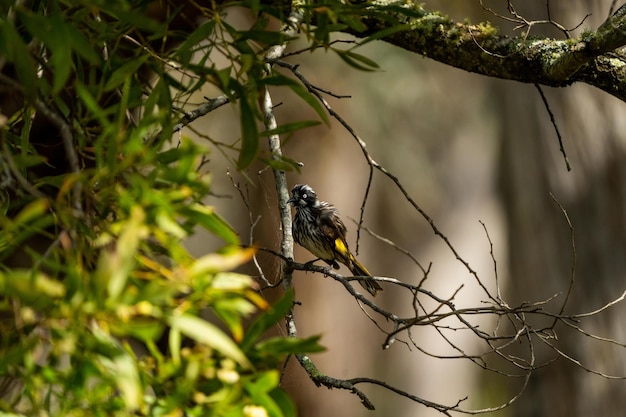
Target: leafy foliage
(110, 319)
(103, 309)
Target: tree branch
(209, 106)
(590, 58)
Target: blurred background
(467, 149)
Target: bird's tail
(346, 258)
(360, 271)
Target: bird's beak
(291, 200)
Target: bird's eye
(304, 196)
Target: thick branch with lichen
(592, 58)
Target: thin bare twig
(556, 127)
(573, 246)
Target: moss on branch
(593, 58)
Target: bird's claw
(309, 264)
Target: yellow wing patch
(341, 247)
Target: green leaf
(31, 212)
(129, 69)
(124, 371)
(290, 127)
(122, 368)
(290, 345)
(82, 46)
(312, 101)
(200, 34)
(54, 33)
(249, 134)
(31, 220)
(206, 217)
(169, 225)
(92, 104)
(151, 102)
(116, 265)
(355, 23)
(134, 18)
(175, 341)
(357, 61)
(29, 160)
(213, 263)
(32, 288)
(260, 389)
(265, 383)
(13, 48)
(231, 281)
(322, 30)
(164, 102)
(267, 320)
(204, 332)
(254, 6)
(300, 90)
(231, 310)
(281, 165)
(223, 75)
(145, 330)
(283, 400)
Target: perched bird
(318, 228)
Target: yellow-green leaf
(204, 332)
(206, 217)
(214, 262)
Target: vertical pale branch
(280, 178)
(286, 244)
(285, 217)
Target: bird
(318, 228)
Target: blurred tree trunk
(540, 255)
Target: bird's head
(302, 196)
